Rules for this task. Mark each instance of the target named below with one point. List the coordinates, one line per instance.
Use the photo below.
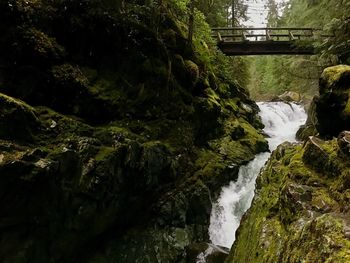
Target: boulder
(290, 96)
(344, 142)
(17, 119)
(204, 252)
(329, 112)
(318, 159)
(333, 104)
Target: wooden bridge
(237, 41)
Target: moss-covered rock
(329, 113)
(204, 251)
(17, 120)
(135, 132)
(192, 71)
(333, 107)
(289, 96)
(343, 142)
(309, 128)
(299, 212)
(336, 77)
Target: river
(281, 122)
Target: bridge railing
(240, 34)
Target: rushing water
(281, 123)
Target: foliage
(210, 14)
(274, 75)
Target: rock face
(309, 128)
(300, 212)
(333, 105)
(208, 252)
(17, 119)
(329, 113)
(344, 142)
(132, 138)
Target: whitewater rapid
(281, 122)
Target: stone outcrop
(289, 96)
(206, 252)
(300, 211)
(329, 113)
(344, 142)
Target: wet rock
(293, 200)
(237, 132)
(309, 128)
(314, 155)
(125, 174)
(344, 142)
(289, 96)
(297, 213)
(204, 252)
(333, 105)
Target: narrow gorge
(282, 121)
(129, 135)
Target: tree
(272, 14)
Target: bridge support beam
(264, 48)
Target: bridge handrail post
(244, 36)
(219, 36)
(291, 36)
(268, 37)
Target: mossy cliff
(329, 113)
(115, 132)
(301, 209)
(300, 212)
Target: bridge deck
(268, 41)
(264, 48)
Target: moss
(231, 105)
(322, 201)
(103, 153)
(295, 215)
(224, 90)
(156, 68)
(322, 239)
(346, 110)
(57, 124)
(212, 97)
(192, 71)
(68, 75)
(106, 87)
(208, 163)
(17, 119)
(158, 132)
(39, 45)
(169, 37)
(332, 106)
(333, 77)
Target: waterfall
(281, 122)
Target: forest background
(269, 76)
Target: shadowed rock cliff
(115, 132)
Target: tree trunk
(233, 12)
(191, 23)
